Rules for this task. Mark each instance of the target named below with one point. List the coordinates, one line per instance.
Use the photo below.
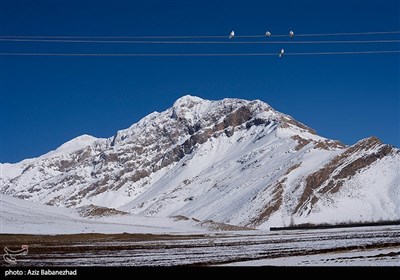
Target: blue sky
(46, 101)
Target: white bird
(267, 34)
(281, 52)
(291, 34)
(232, 34)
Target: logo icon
(10, 255)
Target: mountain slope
(27, 217)
(232, 161)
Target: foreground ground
(377, 246)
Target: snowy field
(377, 257)
(60, 237)
(371, 246)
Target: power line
(200, 42)
(138, 54)
(346, 34)
(323, 34)
(202, 36)
(197, 54)
(348, 52)
(119, 37)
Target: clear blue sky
(46, 101)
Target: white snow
(71, 146)
(20, 216)
(371, 195)
(354, 258)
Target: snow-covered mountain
(232, 161)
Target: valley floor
(370, 246)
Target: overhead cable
(201, 36)
(200, 42)
(198, 54)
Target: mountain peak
(72, 145)
(193, 108)
(187, 99)
(190, 108)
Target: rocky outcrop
(330, 178)
(94, 211)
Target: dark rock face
(98, 211)
(330, 177)
(273, 206)
(198, 137)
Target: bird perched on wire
(267, 34)
(291, 34)
(281, 52)
(232, 34)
